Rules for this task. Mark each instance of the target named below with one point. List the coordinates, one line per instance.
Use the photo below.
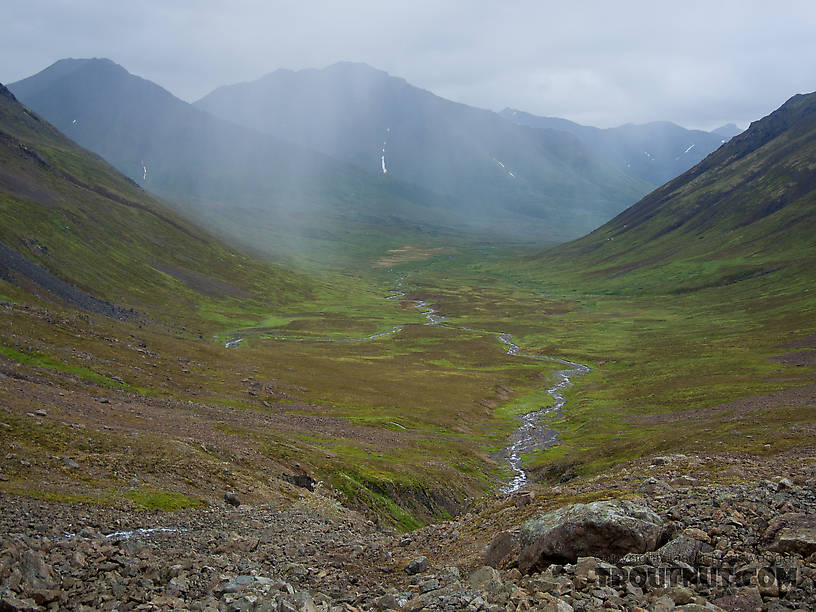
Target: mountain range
(653, 152)
(385, 125)
(319, 173)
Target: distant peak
(729, 130)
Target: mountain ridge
(385, 125)
(655, 152)
(749, 209)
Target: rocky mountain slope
(475, 158)
(653, 152)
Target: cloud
(602, 63)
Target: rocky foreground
(673, 542)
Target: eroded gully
(531, 435)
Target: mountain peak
(729, 130)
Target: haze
(699, 64)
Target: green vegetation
(162, 500)
(691, 348)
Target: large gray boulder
(792, 533)
(607, 529)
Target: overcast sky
(604, 63)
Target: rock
(389, 602)
(662, 604)
(607, 529)
(70, 463)
(300, 480)
(523, 498)
(503, 551)
(697, 534)
(232, 499)
(792, 533)
(766, 583)
(485, 578)
(653, 486)
(243, 545)
(555, 604)
(681, 549)
(10, 603)
(680, 595)
(38, 581)
(746, 599)
(417, 565)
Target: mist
(310, 129)
(699, 65)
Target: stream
(531, 435)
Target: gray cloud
(603, 63)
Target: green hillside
(748, 210)
(69, 212)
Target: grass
(408, 426)
(166, 501)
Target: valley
(220, 420)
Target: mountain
(269, 194)
(76, 232)
(653, 152)
(727, 131)
(473, 157)
(745, 212)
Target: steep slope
(386, 126)
(747, 210)
(75, 231)
(253, 187)
(654, 152)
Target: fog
(699, 64)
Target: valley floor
(698, 405)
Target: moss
(167, 501)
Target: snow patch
(689, 149)
(382, 161)
(144, 172)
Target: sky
(603, 63)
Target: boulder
(606, 529)
(792, 533)
(485, 579)
(746, 599)
(417, 565)
(503, 551)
